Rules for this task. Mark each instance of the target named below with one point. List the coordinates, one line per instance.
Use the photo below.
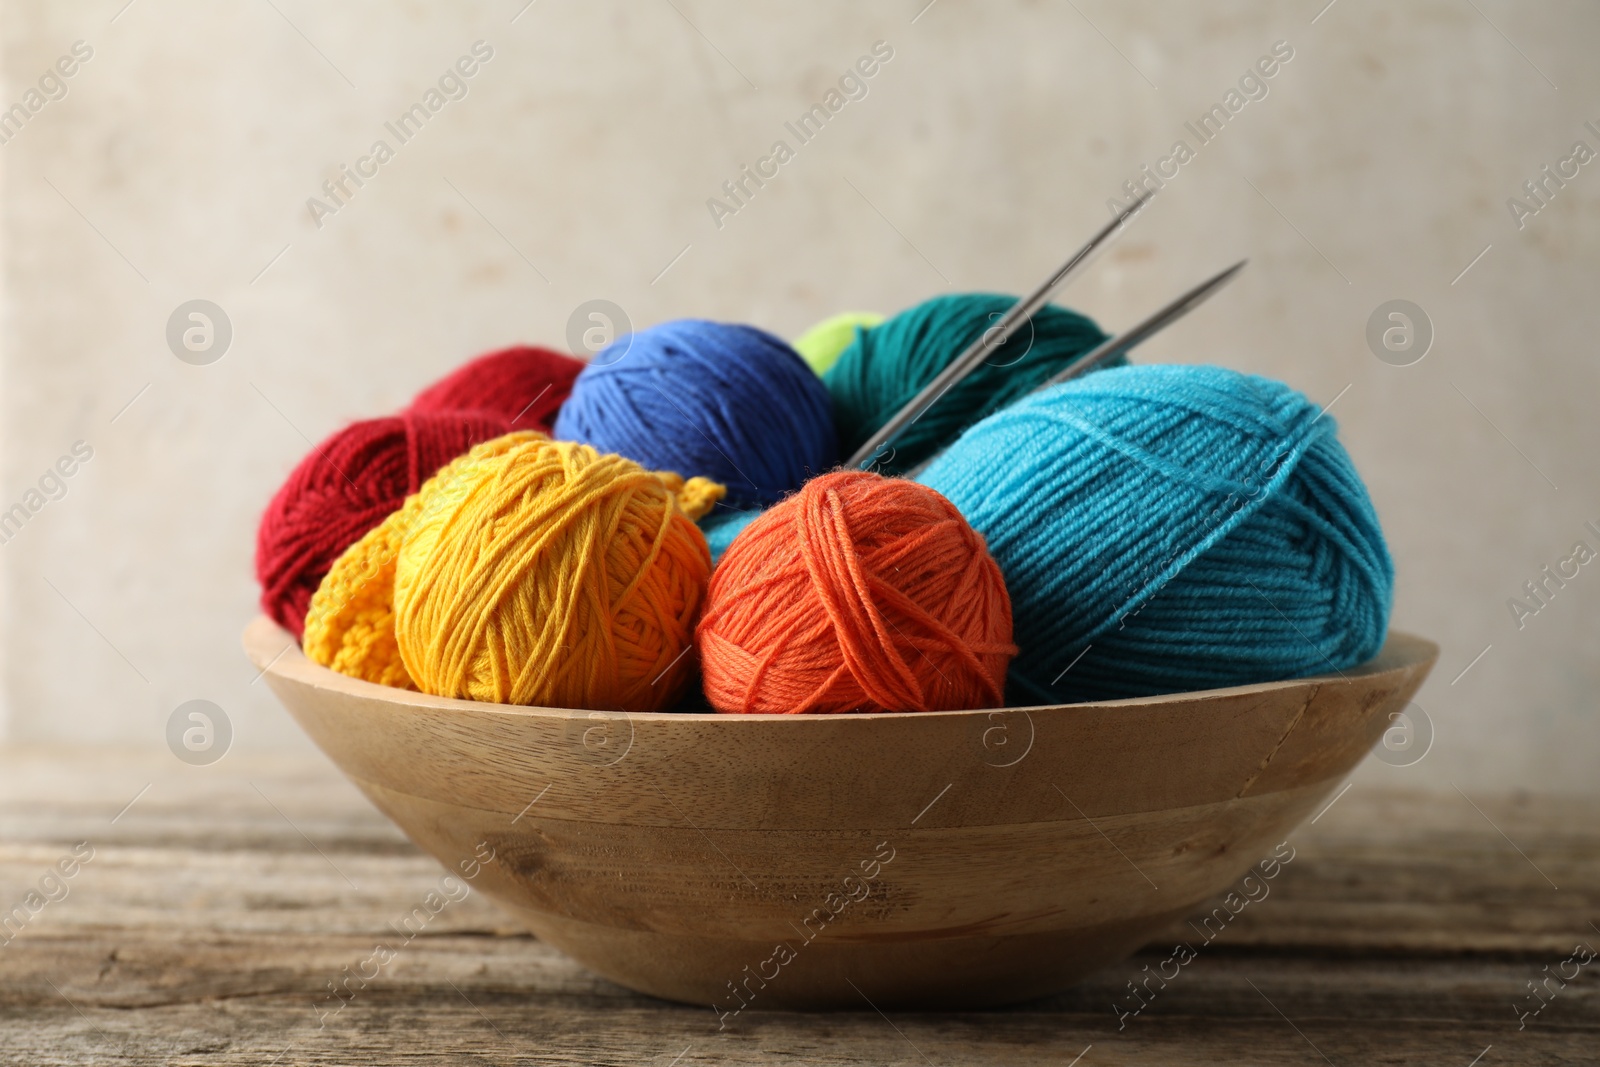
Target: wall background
(1378, 166)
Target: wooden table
(219, 903)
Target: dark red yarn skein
(347, 485)
(522, 384)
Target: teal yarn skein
(883, 368)
(1167, 528)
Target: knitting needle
(1142, 332)
(992, 338)
(1150, 326)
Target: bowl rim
(274, 651)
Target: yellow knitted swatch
(350, 623)
(549, 573)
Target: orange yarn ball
(858, 593)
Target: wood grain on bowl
(932, 859)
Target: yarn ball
(858, 593)
(350, 623)
(524, 385)
(821, 345)
(1167, 528)
(727, 402)
(883, 368)
(344, 487)
(543, 572)
(722, 526)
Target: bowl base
(952, 974)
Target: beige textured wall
(578, 166)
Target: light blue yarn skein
(720, 400)
(722, 526)
(1167, 528)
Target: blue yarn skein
(1190, 527)
(724, 401)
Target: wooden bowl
(942, 859)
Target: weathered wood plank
(1350, 1012)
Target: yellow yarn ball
(821, 345)
(350, 623)
(548, 573)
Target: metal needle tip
(992, 338)
(1149, 327)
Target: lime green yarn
(820, 346)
